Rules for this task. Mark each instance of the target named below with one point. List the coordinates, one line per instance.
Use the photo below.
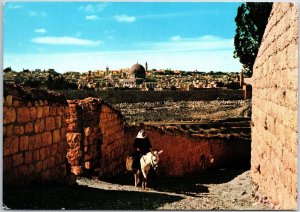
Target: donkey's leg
(144, 184)
(137, 178)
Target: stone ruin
(46, 137)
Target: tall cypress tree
(251, 21)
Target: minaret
(106, 71)
(146, 66)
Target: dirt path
(214, 190)
(229, 192)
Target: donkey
(148, 160)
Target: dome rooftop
(137, 71)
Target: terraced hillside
(205, 118)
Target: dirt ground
(212, 190)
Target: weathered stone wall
(274, 109)
(119, 96)
(95, 137)
(93, 124)
(83, 135)
(113, 143)
(34, 136)
(186, 154)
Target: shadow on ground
(82, 198)
(190, 185)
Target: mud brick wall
(186, 154)
(34, 141)
(274, 109)
(95, 137)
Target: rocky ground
(213, 190)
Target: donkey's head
(155, 158)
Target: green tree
(251, 21)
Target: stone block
(46, 138)
(49, 123)
(61, 110)
(18, 159)
(39, 112)
(42, 153)
(9, 115)
(39, 126)
(63, 134)
(9, 130)
(73, 127)
(292, 58)
(56, 136)
(28, 128)
(24, 141)
(36, 155)
(74, 138)
(10, 145)
(28, 157)
(48, 151)
(52, 111)
(61, 148)
(33, 113)
(18, 130)
(23, 114)
(46, 110)
(58, 122)
(51, 162)
(54, 149)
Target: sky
(82, 36)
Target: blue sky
(82, 36)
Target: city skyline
(81, 36)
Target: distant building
(137, 75)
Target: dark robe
(144, 145)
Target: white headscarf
(140, 134)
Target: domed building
(137, 71)
(137, 75)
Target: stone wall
(83, 135)
(47, 137)
(99, 141)
(34, 136)
(274, 156)
(119, 96)
(185, 154)
(113, 146)
(95, 138)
